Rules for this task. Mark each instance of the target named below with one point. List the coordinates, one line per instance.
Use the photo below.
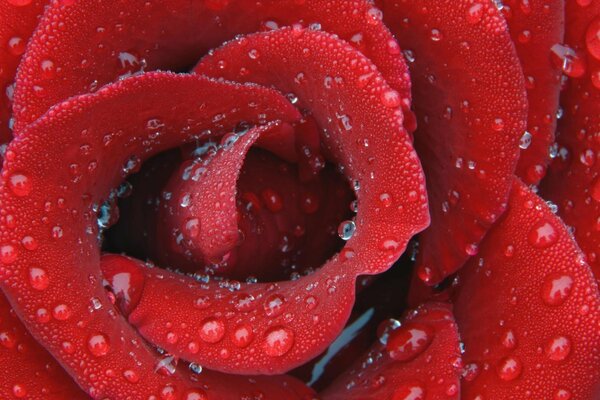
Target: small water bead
(242, 335)
(195, 394)
(562, 394)
(525, 141)
(195, 368)
(278, 341)
(61, 312)
(38, 278)
(407, 342)
(8, 254)
(168, 393)
(48, 69)
(132, 165)
(385, 199)
(474, 13)
(131, 376)
(572, 63)
(558, 348)
(542, 234)
(98, 345)
(346, 230)
(272, 200)
(67, 347)
(435, 35)
(374, 15)
(509, 368)
(202, 302)
(244, 302)
(42, 315)
(409, 392)
(254, 54)
(212, 330)
(8, 340)
(391, 98)
(19, 391)
(274, 305)
(16, 46)
(20, 184)
(556, 289)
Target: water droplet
(254, 54)
(20, 185)
(390, 98)
(278, 341)
(8, 340)
(38, 278)
(98, 345)
(509, 340)
(542, 234)
(8, 254)
(556, 288)
(42, 315)
(385, 199)
(558, 348)
(19, 391)
(212, 330)
(408, 341)
(409, 392)
(242, 335)
(525, 141)
(562, 394)
(435, 35)
(244, 302)
(346, 230)
(509, 368)
(474, 13)
(131, 376)
(592, 38)
(61, 312)
(192, 228)
(272, 200)
(195, 394)
(274, 305)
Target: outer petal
(469, 97)
(26, 368)
(573, 181)
(535, 27)
(309, 312)
(18, 19)
(50, 183)
(96, 42)
(418, 358)
(528, 310)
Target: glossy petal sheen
(419, 358)
(573, 181)
(50, 182)
(469, 97)
(528, 310)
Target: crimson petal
(535, 27)
(528, 310)
(97, 42)
(469, 97)
(18, 19)
(418, 358)
(573, 180)
(50, 183)
(309, 312)
(27, 370)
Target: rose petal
(18, 19)
(62, 165)
(383, 173)
(417, 359)
(27, 370)
(96, 42)
(573, 181)
(535, 27)
(528, 310)
(469, 97)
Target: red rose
(277, 173)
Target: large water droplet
(346, 229)
(61, 312)
(38, 278)
(558, 348)
(278, 341)
(19, 184)
(98, 345)
(242, 335)
(542, 234)
(274, 305)
(408, 341)
(509, 368)
(556, 288)
(212, 330)
(592, 38)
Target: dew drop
(61, 312)
(274, 305)
(525, 141)
(474, 13)
(38, 278)
(409, 392)
(278, 341)
(131, 376)
(556, 289)
(509, 368)
(346, 230)
(20, 185)
(242, 335)
(390, 98)
(408, 341)
(98, 345)
(558, 348)
(8, 254)
(19, 391)
(542, 234)
(592, 38)
(212, 330)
